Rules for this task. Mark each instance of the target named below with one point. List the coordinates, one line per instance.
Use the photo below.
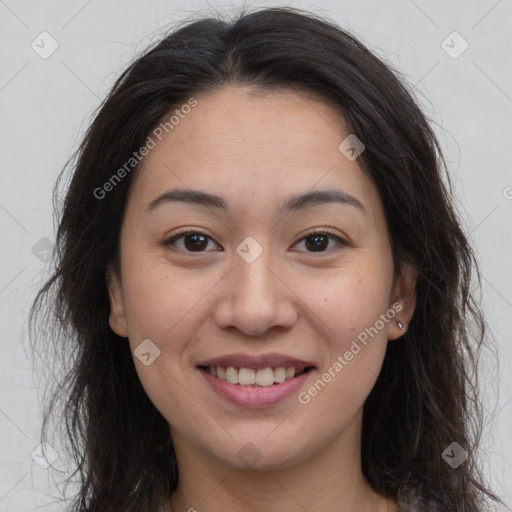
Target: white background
(45, 104)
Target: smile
(256, 378)
(255, 381)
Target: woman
(264, 284)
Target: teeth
(232, 375)
(280, 374)
(246, 377)
(264, 377)
(249, 377)
(290, 372)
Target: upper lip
(255, 362)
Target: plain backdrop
(46, 102)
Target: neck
(327, 481)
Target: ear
(403, 301)
(117, 318)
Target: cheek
(164, 307)
(161, 303)
(355, 313)
(352, 299)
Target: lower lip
(244, 396)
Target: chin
(261, 452)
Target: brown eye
(192, 241)
(197, 242)
(319, 241)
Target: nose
(254, 298)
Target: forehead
(249, 144)
(235, 122)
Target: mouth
(249, 377)
(255, 381)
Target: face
(264, 283)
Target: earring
(400, 324)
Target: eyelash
(187, 231)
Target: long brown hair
(425, 397)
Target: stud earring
(400, 324)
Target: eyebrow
(293, 203)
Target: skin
(255, 150)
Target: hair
(427, 394)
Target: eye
(193, 241)
(318, 241)
(197, 241)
